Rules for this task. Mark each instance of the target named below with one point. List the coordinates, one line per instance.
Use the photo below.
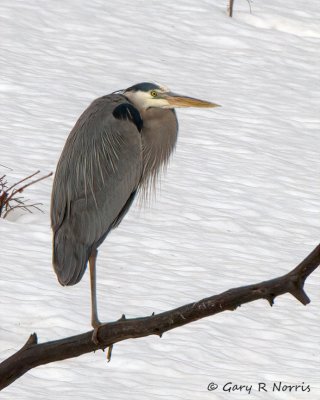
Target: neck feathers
(159, 137)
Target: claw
(109, 352)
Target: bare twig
(4, 166)
(8, 195)
(33, 354)
(25, 208)
(23, 180)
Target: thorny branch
(33, 354)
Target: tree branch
(33, 354)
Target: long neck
(159, 137)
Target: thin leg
(94, 310)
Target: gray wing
(95, 182)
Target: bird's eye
(153, 93)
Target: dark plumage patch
(143, 87)
(128, 112)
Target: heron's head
(145, 95)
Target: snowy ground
(239, 204)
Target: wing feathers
(99, 169)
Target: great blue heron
(116, 148)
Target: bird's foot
(96, 341)
(96, 325)
(95, 334)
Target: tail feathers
(69, 259)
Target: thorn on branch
(301, 296)
(32, 340)
(270, 299)
(109, 354)
(296, 287)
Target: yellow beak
(176, 100)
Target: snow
(239, 203)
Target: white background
(239, 204)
